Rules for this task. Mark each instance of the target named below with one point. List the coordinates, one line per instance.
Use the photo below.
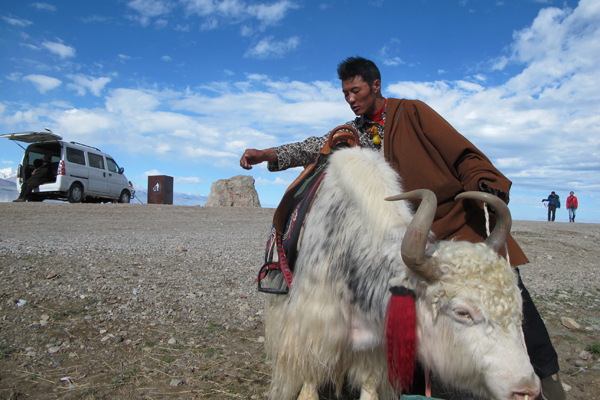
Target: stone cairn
(238, 191)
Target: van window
(75, 156)
(32, 156)
(96, 160)
(112, 165)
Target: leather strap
(340, 135)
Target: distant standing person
(553, 203)
(572, 206)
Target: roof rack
(81, 144)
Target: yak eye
(463, 314)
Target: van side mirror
(121, 170)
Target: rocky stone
(569, 323)
(577, 363)
(584, 355)
(238, 191)
(176, 382)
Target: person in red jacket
(572, 206)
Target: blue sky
(182, 87)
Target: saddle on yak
(288, 222)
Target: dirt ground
(86, 315)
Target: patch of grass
(178, 347)
(594, 348)
(6, 351)
(90, 393)
(570, 339)
(208, 352)
(150, 344)
(131, 373)
(90, 301)
(169, 360)
(214, 327)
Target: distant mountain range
(180, 199)
(9, 192)
(8, 173)
(8, 183)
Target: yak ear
(501, 231)
(415, 239)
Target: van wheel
(124, 197)
(75, 193)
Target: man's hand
(252, 157)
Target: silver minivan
(81, 173)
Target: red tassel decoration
(401, 335)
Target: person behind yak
(572, 205)
(428, 153)
(553, 203)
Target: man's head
(553, 192)
(361, 84)
(47, 158)
(352, 67)
(572, 193)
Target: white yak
(331, 327)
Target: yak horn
(417, 234)
(501, 231)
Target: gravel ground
(111, 301)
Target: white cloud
(82, 83)
(152, 172)
(393, 62)
(148, 9)
(217, 12)
(61, 50)
(43, 83)
(188, 180)
(17, 22)
(31, 46)
(166, 58)
(14, 76)
(130, 101)
(276, 182)
(269, 48)
(544, 121)
(182, 28)
(271, 13)
(44, 6)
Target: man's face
(360, 96)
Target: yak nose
(526, 395)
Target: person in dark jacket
(553, 203)
(41, 174)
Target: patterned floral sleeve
(301, 154)
(298, 154)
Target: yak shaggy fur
(331, 325)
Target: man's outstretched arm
(252, 157)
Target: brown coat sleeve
(429, 153)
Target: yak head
(468, 306)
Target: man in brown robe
(428, 153)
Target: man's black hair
(358, 66)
